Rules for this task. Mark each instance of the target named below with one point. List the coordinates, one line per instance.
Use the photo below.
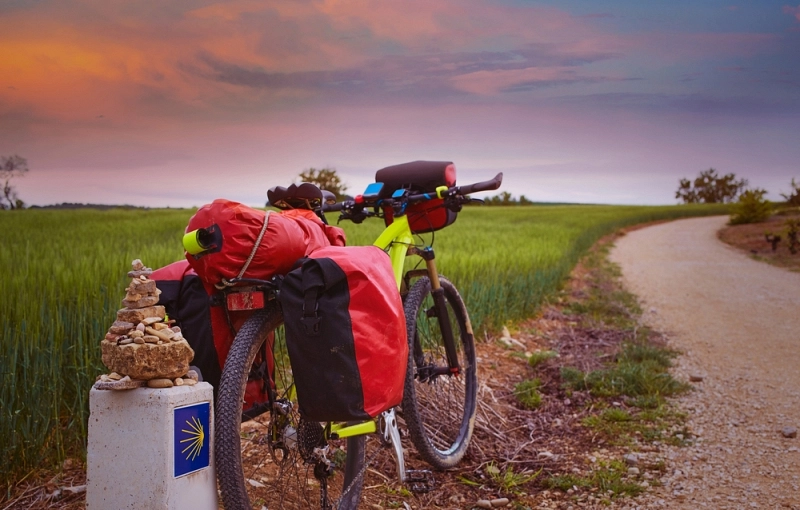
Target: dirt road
(737, 321)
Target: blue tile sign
(192, 441)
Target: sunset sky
(179, 102)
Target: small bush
(793, 198)
(752, 207)
(793, 234)
(527, 393)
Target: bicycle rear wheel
(438, 405)
(291, 465)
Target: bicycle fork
(440, 308)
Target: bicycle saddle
(298, 196)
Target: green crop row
(64, 275)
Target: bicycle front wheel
(289, 464)
(439, 403)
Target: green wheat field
(64, 274)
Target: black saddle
(300, 196)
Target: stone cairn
(142, 347)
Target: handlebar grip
(489, 185)
(332, 207)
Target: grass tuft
(509, 481)
(640, 371)
(527, 393)
(608, 478)
(540, 357)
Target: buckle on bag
(311, 324)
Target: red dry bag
(251, 243)
(345, 333)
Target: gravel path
(737, 321)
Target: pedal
(419, 480)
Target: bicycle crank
(391, 434)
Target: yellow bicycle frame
(397, 238)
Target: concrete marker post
(151, 448)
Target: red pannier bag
(205, 326)
(251, 243)
(420, 177)
(345, 333)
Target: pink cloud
(793, 11)
(672, 47)
(488, 83)
(67, 67)
(492, 82)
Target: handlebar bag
(420, 177)
(345, 333)
(210, 331)
(252, 243)
(426, 216)
(429, 216)
(416, 176)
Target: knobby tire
(439, 411)
(290, 484)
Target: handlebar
(455, 191)
(489, 185)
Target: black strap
(313, 283)
(310, 318)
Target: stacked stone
(142, 345)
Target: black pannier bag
(345, 333)
(186, 301)
(210, 332)
(420, 177)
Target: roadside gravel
(737, 323)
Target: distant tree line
(748, 205)
(74, 205)
(506, 198)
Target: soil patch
(754, 239)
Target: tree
(325, 178)
(793, 198)
(710, 188)
(11, 167)
(751, 207)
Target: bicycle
(326, 463)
